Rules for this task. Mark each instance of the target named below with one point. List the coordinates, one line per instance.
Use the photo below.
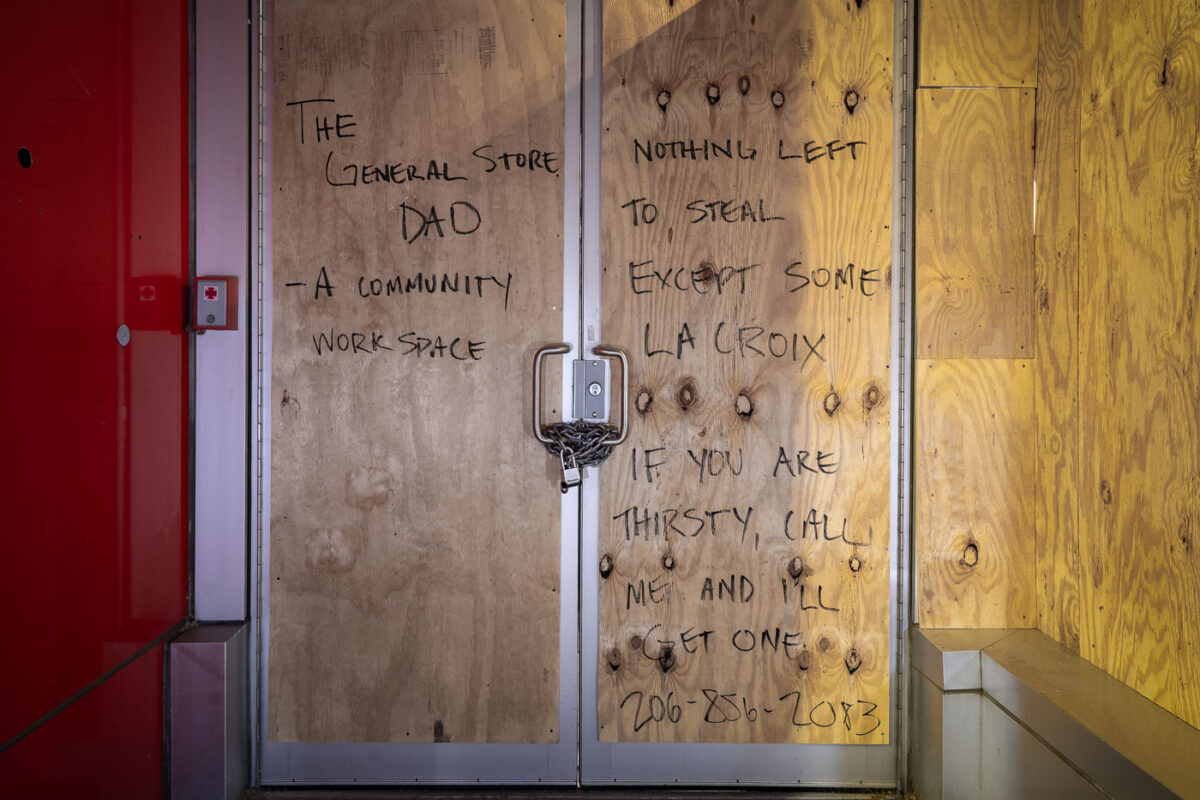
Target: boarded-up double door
(707, 185)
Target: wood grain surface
(1056, 365)
(1140, 347)
(414, 541)
(974, 493)
(746, 191)
(974, 221)
(978, 43)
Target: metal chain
(579, 440)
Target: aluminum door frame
(342, 763)
(817, 766)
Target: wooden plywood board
(1056, 367)
(414, 540)
(974, 493)
(1140, 348)
(978, 43)
(747, 164)
(974, 220)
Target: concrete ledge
(1013, 714)
(209, 728)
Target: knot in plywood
(743, 404)
(850, 100)
(687, 394)
(831, 403)
(643, 401)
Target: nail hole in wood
(713, 94)
(795, 567)
(664, 99)
(853, 661)
(744, 85)
(643, 401)
(606, 565)
(832, 401)
(777, 99)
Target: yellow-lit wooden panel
(974, 223)
(974, 493)
(1140, 347)
(978, 43)
(414, 539)
(746, 191)
(1056, 368)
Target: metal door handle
(550, 349)
(616, 436)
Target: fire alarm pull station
(214, 303)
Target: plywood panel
(746, 247)
(974, 219)
(1056, 373)
(978, 43)
(974, 493)
(414, 551)
(1140, 348)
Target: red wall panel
(107, 745)
(94, 189)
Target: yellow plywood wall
(974, 314)
(1139, 346)
(978, 43)
(747, 166)
(973, 438)
(1108, 432)
(1056, 377)
(414, 541)
(974, 222)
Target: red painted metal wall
(94, 186)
